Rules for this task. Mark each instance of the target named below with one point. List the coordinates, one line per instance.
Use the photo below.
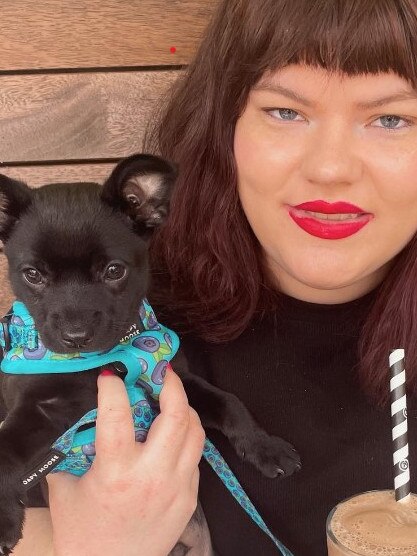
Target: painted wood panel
(40, 175)
(78, 116)
(99, 33)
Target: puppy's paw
(271, 455)
(11, 522)
(10, 532)
(7, 549)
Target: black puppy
(78, 259)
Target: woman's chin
(325, 287)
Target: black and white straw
(399, 425)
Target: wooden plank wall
(79, 81)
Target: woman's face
(327, 173)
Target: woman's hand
(137, 498)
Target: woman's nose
(332, 157)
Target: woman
(289, 260)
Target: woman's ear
(15, 197)
(141, 187)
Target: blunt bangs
(350, 36)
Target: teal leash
(226, 475)
(143, 415)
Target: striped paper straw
(399, 425)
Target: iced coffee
(373, 524)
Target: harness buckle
(5, 333)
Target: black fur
(78, 258)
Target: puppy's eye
(114, 271)
(33, 276)
(134, 201)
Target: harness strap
(64, 447)
(226, 475)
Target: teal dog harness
(145, 351)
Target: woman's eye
(114, 271)
(33, 276)
(391, 121)
(283, 114)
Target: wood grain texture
(40, 175)
(77, 116)
(99, 33)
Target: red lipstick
(329, 220)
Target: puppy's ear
(15, 197)
(141, 187)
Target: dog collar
(24, 352)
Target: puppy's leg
(40, 410)
(18, 454)
(223, 411)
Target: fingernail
(107, 372)
(168, 367)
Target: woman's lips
(329, 220)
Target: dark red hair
(207, 261)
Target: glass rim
(329, 531)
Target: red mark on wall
(173, 49)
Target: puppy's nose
(76, 338)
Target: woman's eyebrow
(367, 104)
(275, 88)
(395, 97)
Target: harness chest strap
(145, 352)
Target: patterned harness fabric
(145, 350)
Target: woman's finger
(167, 433)
(192, 449)
(195, 481)
(115, 435)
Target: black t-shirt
(294, 370)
